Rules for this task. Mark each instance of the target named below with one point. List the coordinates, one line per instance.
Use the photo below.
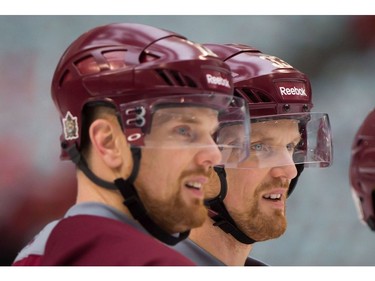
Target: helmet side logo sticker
(284, 91)
(293, 91)
(217, 81)
(139, 120)
(276, 62)
(135, 136)
(70, 125)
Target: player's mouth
(276, 197)
(196, 186)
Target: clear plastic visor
(358, 207)
(283, 140)
(188, 122)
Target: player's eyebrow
(163, 118)
(166, 119)
(262, 135)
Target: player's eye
(183, 131)
(260, 147)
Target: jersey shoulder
(94, 240)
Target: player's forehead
(274, 129)
(192, 115)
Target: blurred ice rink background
(337, 52)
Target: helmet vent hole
(250, 95)
(178, 78)
(263, 97)
(175, 78)
(147, 57)
(190, 82)
(255, 96)
(359, 142)
(115, 59)
(237, 93)
(164, 76)
(87, 65)
(65, 78)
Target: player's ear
(106, 142)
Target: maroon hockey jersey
(87, 239)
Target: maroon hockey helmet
(270, 85)
(275, 90)
(136, 68)
(362, 170)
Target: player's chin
(194, 217)
(279, 226)
(272, 212)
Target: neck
(221, 245)
(90, 192)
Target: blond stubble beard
(174, 215)
(261, 227)
(257, 225)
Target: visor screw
(286, 107)
(64, 145)
(305, 107)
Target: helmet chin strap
(219, 213)
(128, 191)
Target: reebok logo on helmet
(292, 90)
(217, 80)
